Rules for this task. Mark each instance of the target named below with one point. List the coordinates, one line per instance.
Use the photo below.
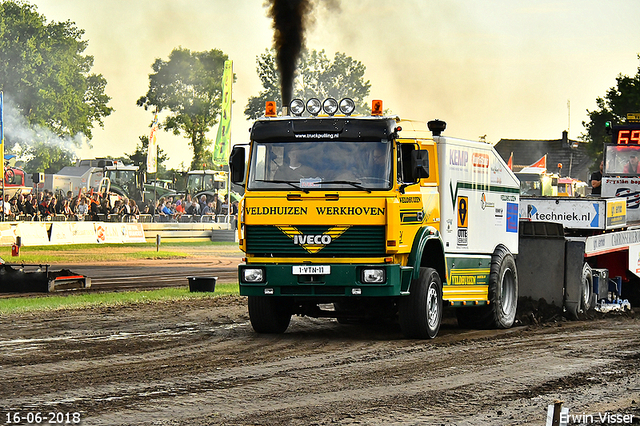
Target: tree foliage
(617, 102)
(317, 77)
(46, 76)
(47, 158)
(189, 85)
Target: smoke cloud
(20, 135)
(289, 20)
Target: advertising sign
(574, 213)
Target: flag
(223, 139)
(541, 163)
(152, 151)
(510, 162)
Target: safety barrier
(49, 233)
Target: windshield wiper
(357, 185)
(306, 191)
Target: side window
(404, 163)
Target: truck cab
(365, 218)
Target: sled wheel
(587, 288)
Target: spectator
(29, 208)
(179, 207)
(134, 211)
(13, 210)
(203, 203)
(194, 208)
(125, 210)
(216, 204)
(66, 208)
(116, 209)
(186, 204)
(234, 214)
(94, 207)
(209, 209)
(82, 208)
(596, 181)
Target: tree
(189, 85)
(45, 75)
(139, 156)
(318, 77)
(47, 158)
(615, 105)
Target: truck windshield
(320, 165)
(120, 177)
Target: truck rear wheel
(503, 296)
(503, 289)
(420, 313)
(270, 315)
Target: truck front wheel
(420, 313)
(269, 314)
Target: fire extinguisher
(15, 248)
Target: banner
(223, 140)
(2, 141)
(152, 151)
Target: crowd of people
(47, 205)
(167, 209)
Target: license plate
(311, 270)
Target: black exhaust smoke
(289, 18)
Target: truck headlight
(373, 275)
(253, 275)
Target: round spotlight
(330, 106)
(296, 107)
(314, 106)
(347, 106)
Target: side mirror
(420, 164)
(236, 165)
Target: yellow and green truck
(366, 218)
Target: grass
(89, 253)
(89, 300)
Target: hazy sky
(500, 68)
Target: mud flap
(540, 259)
(573, 264)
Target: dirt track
(200, 363)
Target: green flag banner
(223, 140)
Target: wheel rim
(432, 307)
(508, 289)
(586, 292)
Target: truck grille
(357, 241)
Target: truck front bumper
(333, 280)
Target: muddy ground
(200, 363)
